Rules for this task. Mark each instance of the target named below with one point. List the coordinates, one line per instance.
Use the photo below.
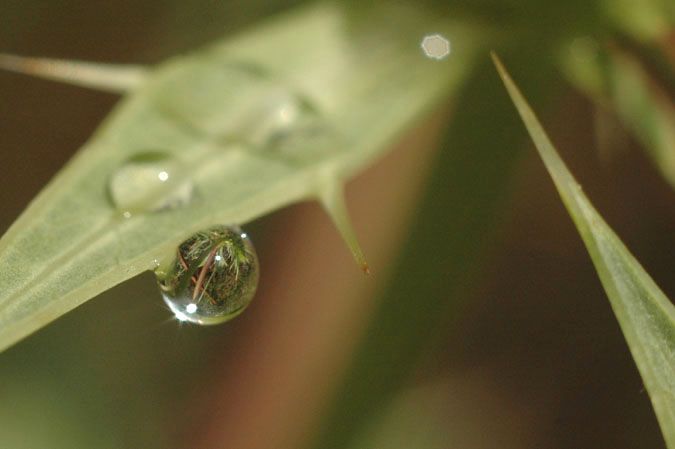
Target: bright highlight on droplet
(435, 46)
(163, 176)
(191, 308)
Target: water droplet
(213, 278)
(261, 110)
(149, 181)
(278, 114)
(295, 131)
(229, 100)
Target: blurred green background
(483, 324)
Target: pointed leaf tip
(498, 64)
(331, 198)
(645, 314)
(106, 77)
(564, 181)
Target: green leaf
(248, 125)
(646, 20)
(646, 315)
(615, 79)
(106, 77)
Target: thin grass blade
(646, 315)
(106, 77)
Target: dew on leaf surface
(264, 112)
(148, 182)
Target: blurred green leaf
(645, 20)
(444, 248)
(255, 123)
(646, 315)
(614, 79)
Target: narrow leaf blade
(106, 77)
(646, 315)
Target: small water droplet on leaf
(148, 182)
(213, 277)
(263, 111)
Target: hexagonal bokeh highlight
(435, 46)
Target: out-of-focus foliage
(617, 81)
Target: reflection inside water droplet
(213, 278)
(147, 182)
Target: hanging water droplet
(213, 278)
(149, 181)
